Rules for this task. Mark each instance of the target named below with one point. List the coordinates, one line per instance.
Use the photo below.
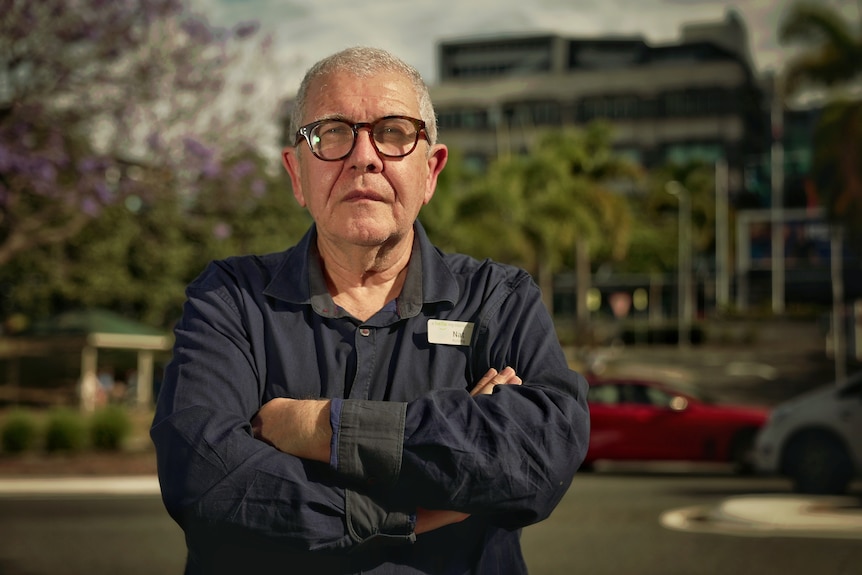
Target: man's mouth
(359, 195)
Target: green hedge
(64, 430)
(109, 428)
(20, 432)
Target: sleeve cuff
(369, 440)
(335, 422)
(371, 525)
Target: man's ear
(436, 162)
(290, 161)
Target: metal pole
(722, 281)
(839, 346)
(777, 157)
(684, 264)
(687, 309)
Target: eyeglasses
(333, 140)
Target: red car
(638, 420)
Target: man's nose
(365, 154)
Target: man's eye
(393, 132)
(334, 131)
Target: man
(363, 402)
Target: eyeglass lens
(333, 139)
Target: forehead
(361, 98)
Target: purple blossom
(242, 169)
(211, 170)
(197, 29)
(222, 231)
(45, 171)
(245, 29)
(258, 188)
(92, 164)
(155, 142)
(90, 207)
(103, 192)
(6, 158)
(197, 149)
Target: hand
(431, 519)
(493, 378)
(299, 427)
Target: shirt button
(364, 332)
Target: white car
(815, 439)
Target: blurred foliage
(535, 209)
(830, 59)
(19, 432)
(138, 258)
(655, 232)
(110, 427)
(98, 98)
(65, 430)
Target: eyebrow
(343, 118)
(340, 117)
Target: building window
(481, 60)
(682, 153)
(688, 103)
(526, 114)
(544, 113)
(462, 119)
(610, 107)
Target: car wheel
(741, 451)
(818, 463)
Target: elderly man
(363, 402)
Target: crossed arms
(301, 427)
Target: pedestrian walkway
(86, 485)
(773, 515)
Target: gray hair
(364, 62)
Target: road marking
(762, 516)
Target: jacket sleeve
(215, 476)
(510, 456)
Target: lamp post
(777, 176)
(684, 267)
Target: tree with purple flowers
(104, 102)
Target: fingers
(493, 378)
(430, 519)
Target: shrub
(109, 428)
(66, 430)
(20, 432)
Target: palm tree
(535, 209)
(832, 61)
(601, 220)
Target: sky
(306, 30)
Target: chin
(373, 235)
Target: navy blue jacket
(407, 432)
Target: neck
(362, 279)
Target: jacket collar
(299, 278)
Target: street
(609, 522)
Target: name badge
(450, 332)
